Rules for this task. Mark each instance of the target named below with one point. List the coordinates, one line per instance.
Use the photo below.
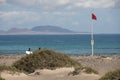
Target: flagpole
(92, 39)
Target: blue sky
(70, 14)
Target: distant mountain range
(37, 30)
(50, 29)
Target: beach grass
(2, 78)
(113, 75)
(89, 70)
(44, 59)
(8, 68)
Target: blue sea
(76, 44)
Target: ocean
(74, 44)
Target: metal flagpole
(92, 39)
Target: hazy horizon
(74, 15)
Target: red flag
(94, 17)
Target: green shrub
(8, 68)
(111, 75)
(89, 70)
(3, 67)
(47, 59)
(76, 71)
(2, 78)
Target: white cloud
(64, 13)
(21, 17)
(17, 14)
(94, 3)
(45, 4)
(53, 4)
(16, 18)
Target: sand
(102, 64)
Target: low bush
(2, 78)
(89, 70)
(8, 68)
(44, 59)
(76, 71)
(113, 75)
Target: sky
(69, 14)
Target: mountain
(51, 29)
(36, 30)
(17, 30)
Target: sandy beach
(102, 64)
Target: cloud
(117, 4)
(17, 18)
(72, 13)
(2, 1)
(45, 4)
(70, 4)
(93, 4)
(17, 14)
(26, 17)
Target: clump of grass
(111, 75)
(76, 71)
(8, 68)
(44, 59)
(3, 67)
(12, 70)
(2, 78)
(89, 70)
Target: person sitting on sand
(29, 51)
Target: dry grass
(113, 75)
(1, 78)
(44, 59)
(89, 70)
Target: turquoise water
(68, 44)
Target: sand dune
(100, 63)
(58, 74)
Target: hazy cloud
(2, 1)
(17, 14)
(45, 4)
(16, 18)
(117, 4)
(94, 3)
(53, 4)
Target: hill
(50, 29)
(36, 30)
(44, 59)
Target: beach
(102, 64)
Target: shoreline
(70, 54)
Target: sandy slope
(100, 63)
(58, 74)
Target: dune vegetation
(1, 78)
(7, 68)
(89, 70)
(44, 59)
(113, 75)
